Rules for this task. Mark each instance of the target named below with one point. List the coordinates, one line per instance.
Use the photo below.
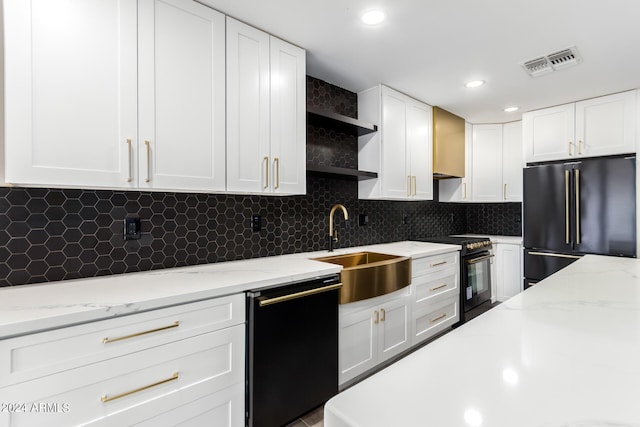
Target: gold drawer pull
(438, 287)
(384, 314)
(108, 340)
(435, 319)
(106, 398)
(435, 264)
(377, 319)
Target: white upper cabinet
(594, 127)
(512, 162)
(266, 135)
(71, 92)
(494, 169)
(401, 151)
(487, 163)
(459, 189)
(182, 96)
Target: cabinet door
(70, 92)
(459, 189)
(487, 163)
(512, 162)
(420, 150)
(358, 341)
(248, 83)
(288, 123)
(393, 172)
(508, 271)
(606, 125)
(549, 133)
(394, 327)
(182, 96)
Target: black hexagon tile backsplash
(54, 234)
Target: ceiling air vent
(538, 66)
(565, 58)
(554, 61)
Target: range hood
(448, 145)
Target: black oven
(475, 269)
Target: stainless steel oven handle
(302, 294)
(479, 259)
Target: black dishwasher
(292, 350)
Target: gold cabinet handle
(148, 144)
(570, 145)
(408, 185)
(277, 167)
(435, 264)
(504, 192)
(130, 160)
(384, 315)
(106, 398)
(377, 319)
(577, 206)
(438, 287)
(580, 147)
(297, 295)
(266, 171)
(555, 255)
(415, 185)
(464, 191)
(435, 319)
(566, 207)
(108, 340)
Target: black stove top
(469, 244)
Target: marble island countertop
(564, 353)
(30, 308)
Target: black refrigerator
(574, 208)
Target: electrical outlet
(132, 228)
(405, 218)
(256, 222)
(363, 219)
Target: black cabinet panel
(539, 265)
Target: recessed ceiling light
(373, 17)
(474, 83)
(511, 109)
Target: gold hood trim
(448, 145)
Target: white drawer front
(436, 286)
(435, 318)
(213, 360)
(32, 356)
(434, 263)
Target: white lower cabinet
(186, 372)
(375, 330)
(372, 331)
(436, 295)
(508, 270)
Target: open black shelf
(332, 170)
(339, 122)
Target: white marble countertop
(30, 308)
(498, 239)
(563, 353)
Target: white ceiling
(429, 48)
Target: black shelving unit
(344, 124)
(345, 172)
(339, 122)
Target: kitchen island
(563, 353)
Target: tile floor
(315, 417)
(312, 419)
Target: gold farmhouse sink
(370, 274)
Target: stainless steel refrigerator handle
(555, 255)
(479, 259)
(566, 206)
(577, 206)
(302, 294)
